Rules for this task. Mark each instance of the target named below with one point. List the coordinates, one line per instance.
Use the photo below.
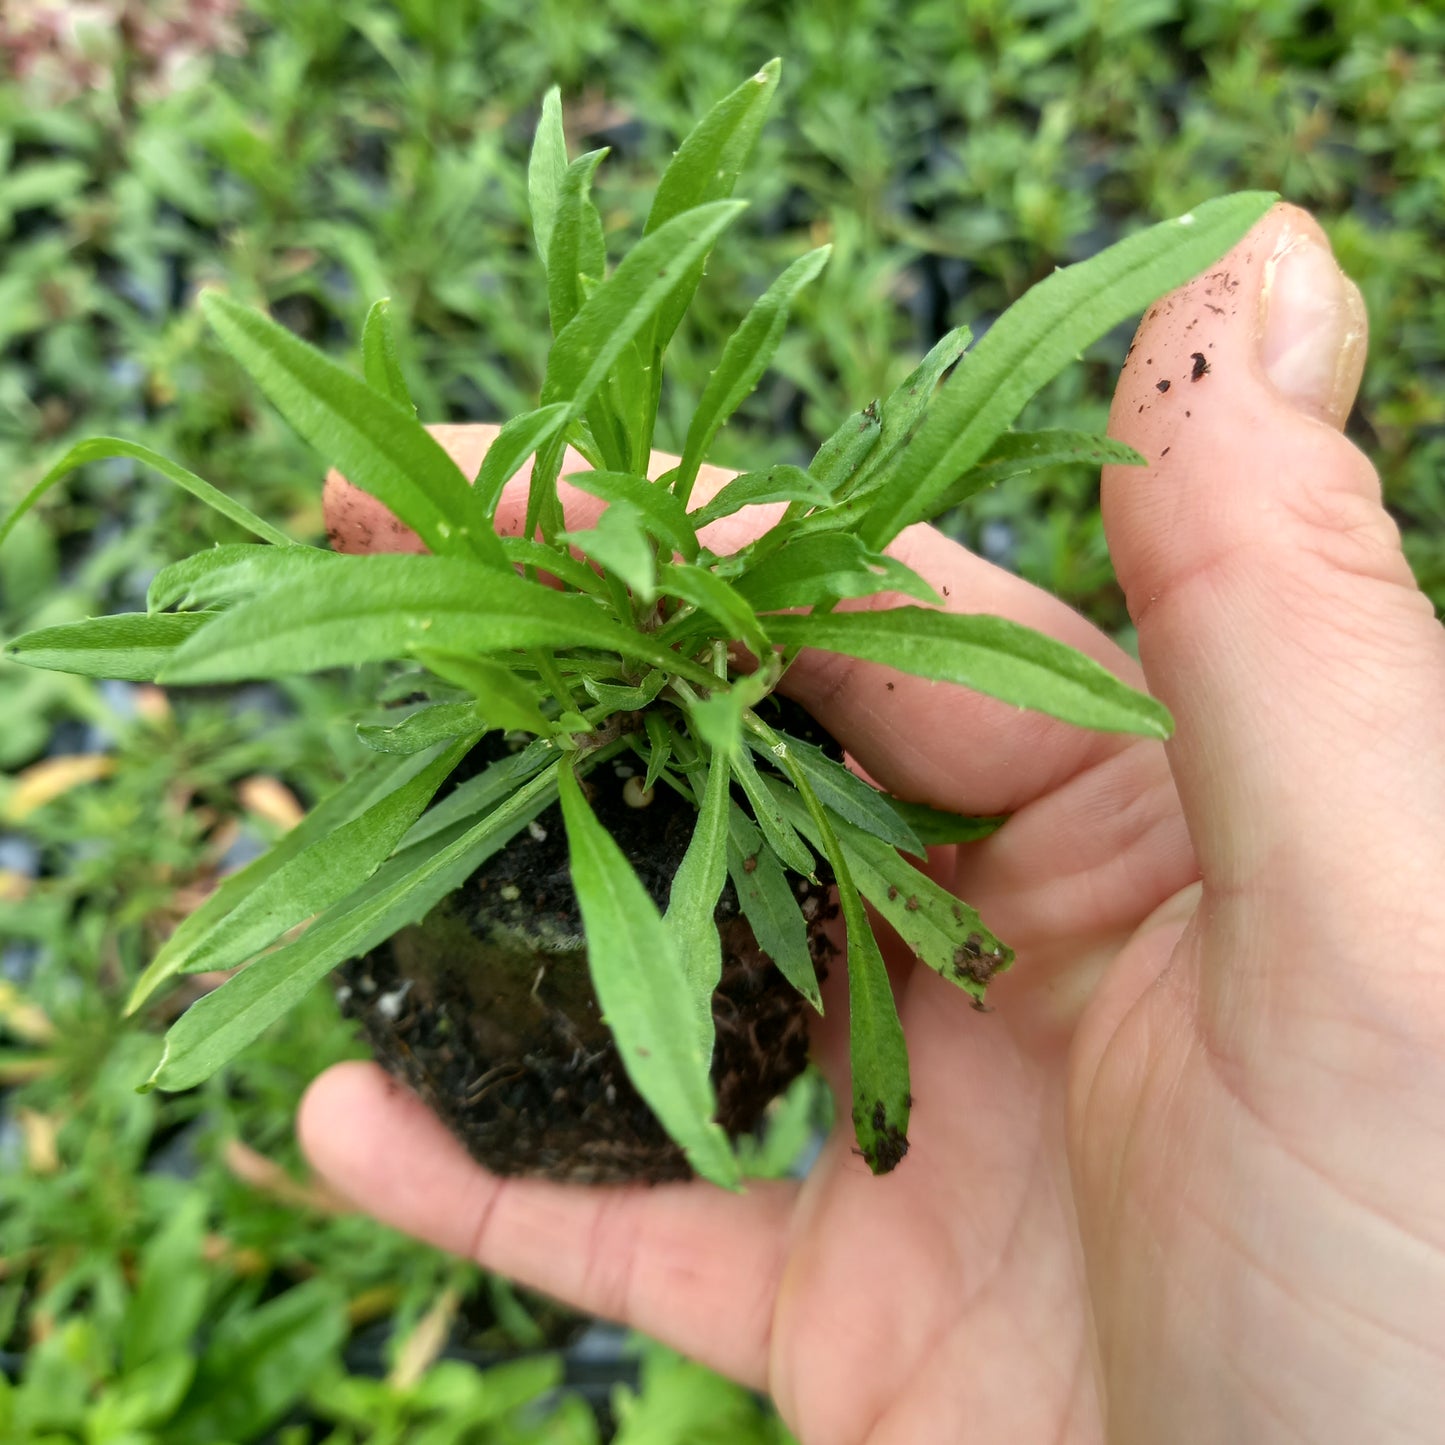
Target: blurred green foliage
(953, 151)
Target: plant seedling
(544, 675)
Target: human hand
(1187, 1183)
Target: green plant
(649, 642)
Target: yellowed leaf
(41, 1136)
(252, 1167)
(270, 799)
(51, 778)
(420, 1349)
(22, 1018)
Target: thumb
(1277, 616)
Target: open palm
(1187, 1182)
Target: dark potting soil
(486, 1007)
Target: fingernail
(1315, 330)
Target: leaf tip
(883, 1140)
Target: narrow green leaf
(644, 990)
(781, 836)
(101, 448)
(377, 779)
(842, 790)
(228, 572)
(380, 446)
(705, 169)
(841, 457)
(659, 735)
(577, 249)
(311, 880)
(943, 931)
(696, 888)
(744, 359)
(989, 654)
(619, 542)
(905, 407)
(809, 571)
(424, 728)
(546, 169)
(380, 363)
(522, 552)
(718, 720)
(132, 646)
(782, 483)
(1017, 453)
(474, 797)
(377, 607)
(514, 444)
(662, 513)
(877, 1052)
(506, 701)
(722, 601)
(935, 828)
(770, 905)
(217, 1027)
(1037, 337)
(626, 699)
(612, 316)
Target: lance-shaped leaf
(577, 253)
(506, 701)
(644, 991)
(374, 781)
(619, 542)
(696, 887)
(781, 836)
(943, 931)
(842, 790)
(935, 827)
(225, 573)
(782, 483)
(477, 795)
(616, 311)
(877, 1052)
(1018, 453)
(626, 699)
(310, 880)
(719, 599)
(662, 513)
(131, 646)
(842, 456)
(215, 1029)
(371, 608)
(514, 444)
(523, 552)
(770, 905)
(102, 448)
(1037, 337)
(380, 363)
(744, 359)
(545, 170)
(809, 571)
(424, 728)
(905, 407)
(380, 446)
(989, 654)
(705, 168)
